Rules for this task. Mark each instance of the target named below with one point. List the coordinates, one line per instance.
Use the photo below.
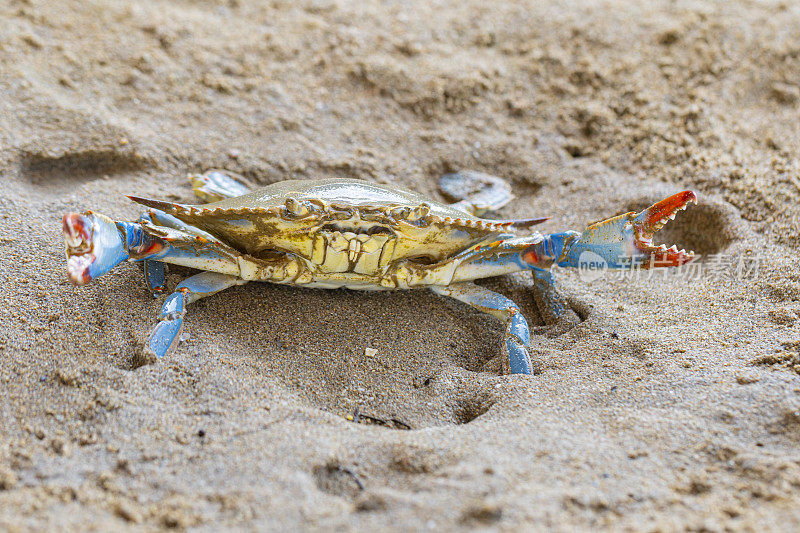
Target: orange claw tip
(653, 219)
(659, 213)
(669, 257)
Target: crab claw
(94, 246)
(653, 219)
(626, 241)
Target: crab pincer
(626, 241)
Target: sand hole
(472, 408)
(314, 344)
(337, 480)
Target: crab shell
(340, 225)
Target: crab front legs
(165, 335)
(516, 359)
(154, 269)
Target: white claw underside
(73, 241)
(77, 264)
(79, 253)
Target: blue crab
(333, 233)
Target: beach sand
(674, 405)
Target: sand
(674, 405)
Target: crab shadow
(400, 359)
(63, 171)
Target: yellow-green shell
(339, 225)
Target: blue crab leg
(164, 337)
(504, 254)
(535, 253)
(216, 185)
(155, 276)
(517, 335)
(626, 241)
(95, 244)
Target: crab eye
(400, 213)
(296, 208)
(421, 211)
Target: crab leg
(217, 185)
(95, 244)
(164, 336)
(554, 309)
(477, 192)
(155, 276)
(517, 335)
(626, 241)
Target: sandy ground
(674, 405)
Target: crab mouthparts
(653, 219)
(80, 253)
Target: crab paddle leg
(164, 336)
(476, 192)
(517, 336)
(216, 185)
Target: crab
(333, 233)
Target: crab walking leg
(155, 276)
(165, 335)
(517, 334)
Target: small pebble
(60, 446)
(746, 379)
(8, 479)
